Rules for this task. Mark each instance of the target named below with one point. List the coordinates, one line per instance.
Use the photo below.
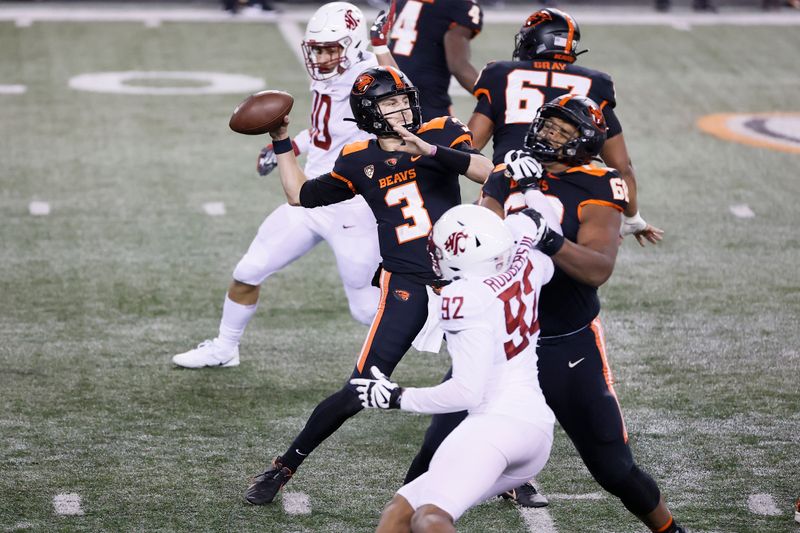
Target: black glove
(547, 240)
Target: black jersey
(566, 304)
(407, 194)
(510, 93)
(417, 44)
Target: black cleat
(265, 486)
(526, 495)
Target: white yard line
(742, 211)
(67, 504)
(293, 36)
(588, 496)
(13, 89)
(214, 209)
(763, 504)
(538, 520)
(39, 209)
(296, 503)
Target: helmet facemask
(549, 141)
(409, 115)
(336, 64)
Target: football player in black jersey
(409, 177)
(574, 374)
(543, 67)
(430, 41)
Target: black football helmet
(548, 34)
(581, 112)
(375, 84)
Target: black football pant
(402, 312)
(577, 385)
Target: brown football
(261, 112)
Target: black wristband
(455, 160)
(282, 146)
(395, 397)
(551, 243)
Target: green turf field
(127, 270)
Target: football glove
(523, 168)
(379, 31)
(267, 161)
(547, 240)
(632, 225)
(379, 392)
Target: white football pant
(484, 456)
(290, 232)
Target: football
(261, 112)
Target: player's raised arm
(475, 166)
(292, 176)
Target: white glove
(267, 161)
(378, 392)
(631, 225)
(525, 170)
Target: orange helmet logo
(537, 18)
(597, 115)
(362, 84)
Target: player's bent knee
(431, 519)
(251, 273)
(637, 491)
(396, 516)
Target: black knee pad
(637, 491)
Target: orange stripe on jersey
(596, 202)
(478, 92)
(435, 124)
(591, 170)
(498, 168)
(355, 147)
(467, 137)
(603, 104)
(600, 340)
(397, 81)
(347, 181)
(384, 283)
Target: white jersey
(329, 132)
(492, 327)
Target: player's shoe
(526, 495)
(206, 354)
(265, 486)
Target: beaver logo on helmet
(362, 84)
(537, 18)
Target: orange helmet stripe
(570, 35)
(397, 81)
(564, 100)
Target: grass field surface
(127, 269)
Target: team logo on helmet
(455, 243)
(369, 170)
(598, 118)
(350, 20)
(537, 18)
(362, 84)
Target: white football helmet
(469, 241)
(337, 24)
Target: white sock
(235, 318)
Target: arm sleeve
(498, 186)
(471, 351)
(325, 190)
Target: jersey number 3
(414, 210)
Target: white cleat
(206, 354)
